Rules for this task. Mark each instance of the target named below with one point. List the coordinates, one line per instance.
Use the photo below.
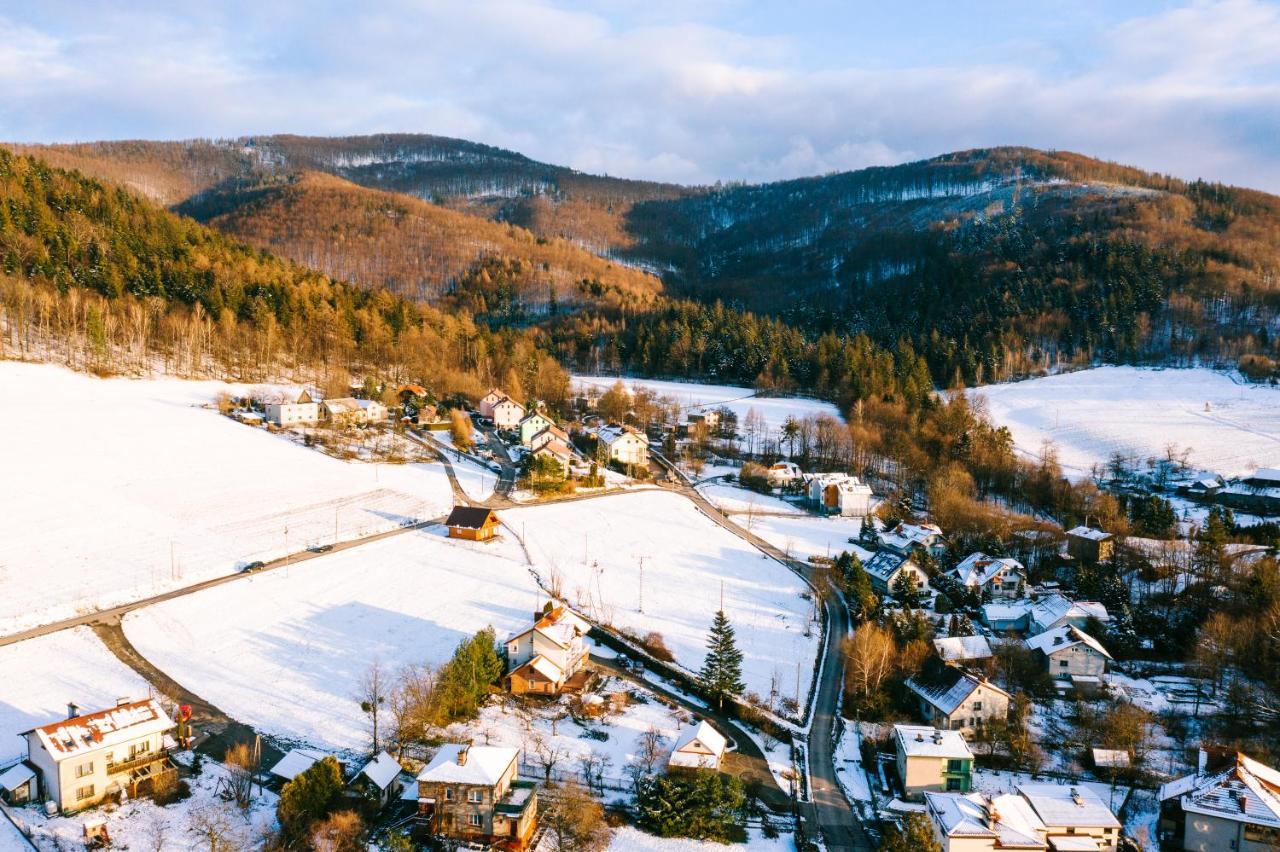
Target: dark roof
(470, 517)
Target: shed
(474, 523)
(296, 762)
(18, 784)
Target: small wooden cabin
(474, 523)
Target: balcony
(137, 762)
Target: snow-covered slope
(1230, 427)
(118, 489)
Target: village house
(839, 494)
(1070, 652)
(1007, 616)
(1040, 816)
(428, 415)
(348, 411)
(955, 700)
(783, 473)
(474, 523)
(1072, 816)
(905, 538)
(697, 746)
(930, 759)
(489, 400)
(546, 436)
(301, 412)
(471, 793)
(548, 656)
(709, 418)
(1231, 802)
(1090, 545)
(558, 452)
(83, 759)
(532, 424)
(379, 780)
(993, 576)
(624, 444)
(962, 649)
(507, 413)
(1055, 610)
(1258, 492)
(887, 567)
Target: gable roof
(885, 564)
(905, 536)
(459, 763)
(382, 770)
(559, 625)
(536, 415)
(91, 731)
(15, 776)
(296, 762)
(1246, 791)
(978, 569)
(470, 517)
(556, 448)
(543, 666)
(1089, 533)
(506, 400)
(1061, 638)
(1053, 608)
(950, 689)
(956, 648)
(614, 432)
(702, 733)
(1007, 818)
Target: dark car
(321, 548)
(253, 566)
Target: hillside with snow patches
(1230, 427)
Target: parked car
(321, 548)
(252, 566)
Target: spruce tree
(721, 675)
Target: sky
(690, 91)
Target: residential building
(887, 567)
(1259, 492)
(429, 415)
(906, 538)
(1068, 652)
(471, 793)
(489, 400)
(83, 759)
(549, 655)
(709, 418)
(474, 523)
(975, 822)
(295, 762)
(507, 413)
(1055, 610)
(1231, 802)
(1007, 616)
(955, 700)
(839, 494)
(559, 453)
(932, 760)
(532, 424)
(962, 649)
(547, 435)
(697, 746)
(783, 473)
(993, 576)
(1074, 817)
(303, 411)
(1090, 545)
(625, 445)
(379, 780)
(348, 411)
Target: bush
(657, 647)
(755, 477)
(310, 797)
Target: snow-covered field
(693, 397)
(802, 537)
(120, 489)
(1230, 427)
(285, 650)
(594, 549)
(733, 499)
(39, 677)
(628, 839)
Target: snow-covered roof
(459, 763)
(1061, 638)
(382, 770)
(296, 762)
(545, 667)
(1064, 805)
(885, 564)
(560, 626)
(1051, 609)
(950, 689)
(613, 433)
(842, 481)
(924, 741)
(1110, 757)
(701, 734)
(1266, 474)
(1007, 818)
(1089, 533)
(978, 569)
(366, 404)
(1246, 791)
(905, 536)
(1001, 611)
(536, 415)
(342, 403)
(15, 776)
(125, 722)
(956, 648)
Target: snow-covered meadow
(1229, 426)
(285, 650)
(736, 500)
(806, 536)
(124, 488)
(39, 677)
(592, 550)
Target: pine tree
(721, 675)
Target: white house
(975, 822)
(83, 759)
(489, 400)
(302, 412)
(906, 537)
(930, 759)
(543, 657)
(839, 494)
(558, 452)
(955, 700)
(507, 413)
(994, 576)
(624, 445)
(532, 424)
(348, 411)
(1068, 651)
(1231, 802)
(783, 473)
(546, 436)
(698, 746)
(1055, 610)
(886, 567)
(1072, 816)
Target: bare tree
(871, 654)
(216, 828)
(593, 766)
(241, 762)
(413, 705)
(547, 752)
(156, 834)
(575, 820)
(373, 690)
(649, 750)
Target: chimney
(462, 754)
(937, 737)
(919, 737)
(120, 702)
(1076, 797)
(72, 710)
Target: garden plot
(38, 677)
(126, 488)
(285, 650)
(1230, 427)
(592, 551)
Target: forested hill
(993, 263)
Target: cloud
(669, 92)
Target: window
(448, 794)
(84, 769)
(85, 792)
(977, 706)
(953, 785)
(476, 820)
(955, 766)
(1062, 664)
(475, 795)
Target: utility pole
(642, 559)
